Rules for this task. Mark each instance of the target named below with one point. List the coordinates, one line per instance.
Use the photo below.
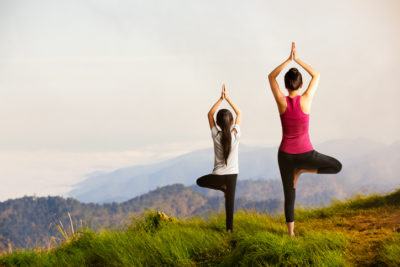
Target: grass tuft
(390, 251)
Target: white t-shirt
(232, 166)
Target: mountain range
(367, 167)
(109, 200)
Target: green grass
(326, 237)
(352, 205)
(390, 251)
(259, 240)
(264, 248)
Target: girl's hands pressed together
(232, 104)
(223, 92)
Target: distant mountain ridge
(363, 160)
(125, 183)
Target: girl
(296, 154)
(226, 143)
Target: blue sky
(85, 85)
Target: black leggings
(288, 163)
(227, 184)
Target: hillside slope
(364, 231)
(32, 221)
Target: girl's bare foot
(223, 188)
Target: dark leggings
(288, 163)
(227, 184)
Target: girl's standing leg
(230, 182)
(227, 184)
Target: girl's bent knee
(199, 182)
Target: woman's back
(295, 128)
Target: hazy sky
(93, 85)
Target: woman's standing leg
(287, 169)
(230, 182)
(311, 162)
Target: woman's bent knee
(338, 166)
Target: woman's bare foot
(296, 175)
(290, 227)
(298, 172)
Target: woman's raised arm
(312, 87)
(276, 91)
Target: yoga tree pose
(226, 144)
(296, 154)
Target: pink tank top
(295, 137)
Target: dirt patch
(366, 230)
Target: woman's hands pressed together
(293, 52)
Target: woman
(226, 143)
(296, 154)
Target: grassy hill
(31, 222)
(363, 231)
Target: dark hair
(293, 79)
(224, 121)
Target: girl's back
(232, 165)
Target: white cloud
(46, 172)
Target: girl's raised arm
(233, 105)
(214, 108)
